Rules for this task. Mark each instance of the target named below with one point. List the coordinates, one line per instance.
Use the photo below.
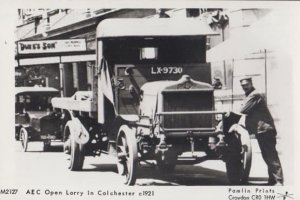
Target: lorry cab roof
(153, 27)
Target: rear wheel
(127, 157)
(238, 162)
(74, 150)
(67, 146)
(76, 155)
(24, 139)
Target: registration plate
(50, 137)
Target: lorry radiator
(188, 101)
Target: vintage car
(34, 119)
(152, 100)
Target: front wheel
(127, 156)
(239, 158)
(24, 139)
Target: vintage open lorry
(152, 100)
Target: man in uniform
(260, 122)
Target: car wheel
(24, 139)
(127, 157)
(17, 133)
(238, 161)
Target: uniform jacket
(258, 116)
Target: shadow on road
(188, 175)
(57, 148)
(183, 175)
(103, 168)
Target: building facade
(58, 24)
(70, 70)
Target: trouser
(267, 144)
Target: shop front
(63, 64)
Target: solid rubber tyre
(76, 155)
(239, 158)
(24, 139)
(127, 157)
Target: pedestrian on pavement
(259, 121)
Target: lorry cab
(139, 51)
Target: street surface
(35, 167)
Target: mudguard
(240, 129)
(78, 131)
(126, 128)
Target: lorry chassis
(83, 136)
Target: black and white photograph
(191, 100)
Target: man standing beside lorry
(259, 121)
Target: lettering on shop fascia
(51, 46)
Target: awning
(153, 27)
(271, 33)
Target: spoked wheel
(127, 157)
(47, 145)
(76, 155)
(24, 139)
(239, 158)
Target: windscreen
(167, 50)
(34, 101)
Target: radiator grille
(49, 125)
(188, 101)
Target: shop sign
(51, 46)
